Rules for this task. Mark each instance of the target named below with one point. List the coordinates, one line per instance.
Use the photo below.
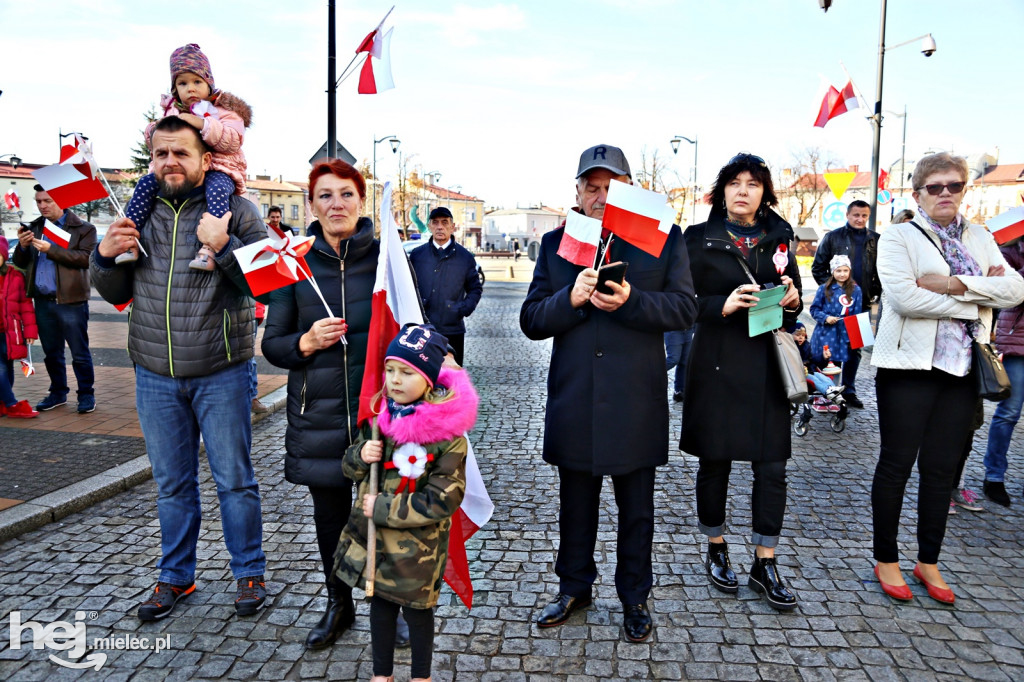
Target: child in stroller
(827, 395)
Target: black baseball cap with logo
(603, 156)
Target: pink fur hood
(432, 423)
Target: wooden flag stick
(371, 528)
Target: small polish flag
(641, 217)
(27, 368)
(580, 240)
(858, 328)
(56, 235)
(476, 510)
(70, 184)
(259, 265)
(12, 200)
(1007, 227)
(375, 76)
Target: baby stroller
(831, 405)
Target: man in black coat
(607, 405)
(855, 240)
(448, 281)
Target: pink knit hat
(190, 59)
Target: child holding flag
(221, 118)
(837, 298)
(427, 411)
(17, 330)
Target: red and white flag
(836, 102)
(1007, 227)
(473, 513)
(27, 368)
(12, 200)
(274, 262)
(394, 304)
(56, 234)
(641, 217)
(74, 179)
(375, 76)
(580, 239)
(858, 328)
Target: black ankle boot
(719, 570)
(765, 579)
(340, 615)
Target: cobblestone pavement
(100, 562)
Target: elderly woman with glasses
(941, 278)
(729, 367)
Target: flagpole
(371, 527)
(332, 87)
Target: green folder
(767, 314)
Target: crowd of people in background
(933, 282)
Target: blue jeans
(1005, 418)
(821, 382)
(59, 323)
(173, 413)
(6, 375)
(677, 354)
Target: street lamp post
(394, 150)
(675, 149)
(12, 159)
(928, 48)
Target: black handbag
(989, 373)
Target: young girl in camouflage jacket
(423, 480)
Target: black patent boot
(719, 569)
(338, 617)
(765, 579)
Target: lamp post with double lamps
(928, 48)
(675, 141)
(394, 150)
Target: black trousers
(458, 344)
(580, 502)
(767, 499)
(924, 416)
(331, 507)
(383, 617)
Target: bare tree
(803, 183)
(655, 175)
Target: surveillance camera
(928, 46)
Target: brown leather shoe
(560, 608)
(258, 407)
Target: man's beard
(177, 192)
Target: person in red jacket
(17, 330)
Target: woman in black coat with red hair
(735, 408)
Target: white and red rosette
(781, 258)
(411, 461)
(847, 303)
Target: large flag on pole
(641, 217)
(375, 76)
(395, 303)
(12, 200)
(836, 102)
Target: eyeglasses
(936, 189)
(744, 157)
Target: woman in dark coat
(735, 407)
(325, 375)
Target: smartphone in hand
(613, 272)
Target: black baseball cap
(603, 156)
(441, 212)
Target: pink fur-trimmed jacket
(223, 133)
(413, 517)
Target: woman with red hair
(325, 375)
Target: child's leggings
(383, 615)
(219, 188)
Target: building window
(295, 211)
(472, 215)
(265, 207)
(533, 224)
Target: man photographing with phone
(607, 404)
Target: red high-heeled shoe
(939, 594)
(900, 592)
